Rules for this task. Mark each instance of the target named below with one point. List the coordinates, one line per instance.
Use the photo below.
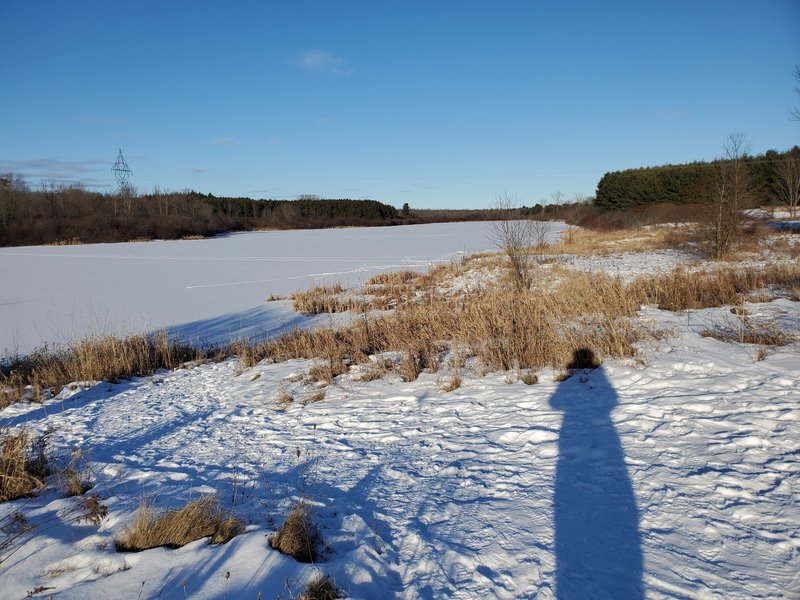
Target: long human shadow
(598, 543)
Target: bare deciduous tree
(540, 232)
(787, 181)
(794, 113)
(734, 194)
(514, 236)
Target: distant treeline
(70, 214)
(692, 183)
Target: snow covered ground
(675, 474)
(213, 288)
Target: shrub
(175, 528)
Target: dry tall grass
(24, 464)
(681, 289)
(321, 300)
(201, 518)
(393, 278)
(593, 242)
(99, 358)
(504, 329)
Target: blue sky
(438, 104)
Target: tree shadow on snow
(597, 539)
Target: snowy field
(674, 474)
(211, 289)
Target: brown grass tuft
(175, 528)
(315, 397)
(327, 369)
(453, 384)
(321, 588)
(324, 299)
(284, 398)
(393, 278)
(298, 536)
(92, 511)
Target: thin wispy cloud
(56, 166)
(61, 172)
(323, 61)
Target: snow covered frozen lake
(211, 289)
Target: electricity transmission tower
(122, 172)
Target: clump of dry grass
(92, 511)
(327, 369)
(314, 397)
(325, 299)
(284, 398)
(393, 278)
(24, 464)
(375, 369)
(95, 359)
(71, 477)
(452, 384)
(321, 588)
(298, 537)
(175, 528)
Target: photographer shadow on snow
(597, 539)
